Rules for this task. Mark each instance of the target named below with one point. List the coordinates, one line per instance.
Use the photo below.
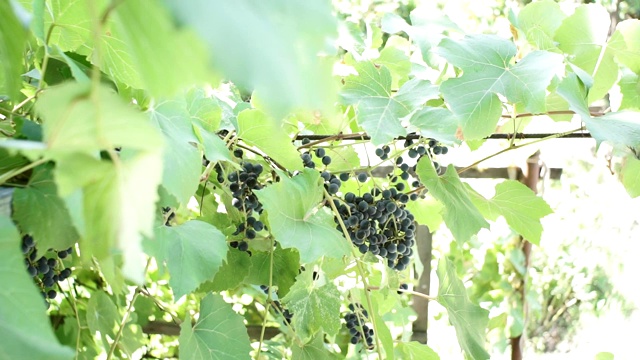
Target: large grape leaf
(75, 121)
(12, 41)
(625, 45)
(25, 329)
(39, 211)
(520, 206)
(252, 44)
(102, 317)
(469, 319)
(427, 211)
(315, 305)
(193, 251)
(621, 128)
(486, 61)
(183, 161)
(259, 130)
(113, 200)
(588, 48)
(157, 48)
(539, 21)
(460, 214)
(379, 111)
(438, 123)
(233, 271)
(313, 350)
(416, 351)
(69, 23)
(297, 222)
(219, 333)
(286, 266)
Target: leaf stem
(123, 323)
(8, 175)
(266, 310)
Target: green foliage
(217, 334)
(160, 142)
(295, 220)
(520, 207)
(469, 319)
(459, 213)
(314, 306)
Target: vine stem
(360, 271)
(123, 323)
(518, 146)
(126, 315)
(266, 310)
(415, 293)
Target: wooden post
(420, 305)
(530, 179)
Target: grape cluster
(359, 330)
(378, 222)
(46, 271)
(242, 184)
(320, 153)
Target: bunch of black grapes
(357, 325)
(378, 222)
(431, 148)
(242, 184)
(45, 270)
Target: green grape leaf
(286, 266)
(194, 252)
(219, 333)
(621, 128)
(214, 148)
(519, 205)
(111, 206)
(438, 123)
(416, 351)
(233, 271)
(460, 215)
(383, 333)
(624, 43)
(487, 72)
(103, 317)
(469, 319)
(378, 112)
(204, 110)
(24, 323)
(588, 49)
(39, 211)
(343, 159)
(630, 90)
(630, 175)
(397, 62)
(251, 44)
(296, 221)
(74, 121)
(313, 350)
(605, 355)
(427, 212)
(156, 48)
(182, 160)
(257, 129)
(116, 59)
(314, 306)
(539, 21)
(12, 41)
(70, 23)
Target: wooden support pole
(530, 179)
(420, 305)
